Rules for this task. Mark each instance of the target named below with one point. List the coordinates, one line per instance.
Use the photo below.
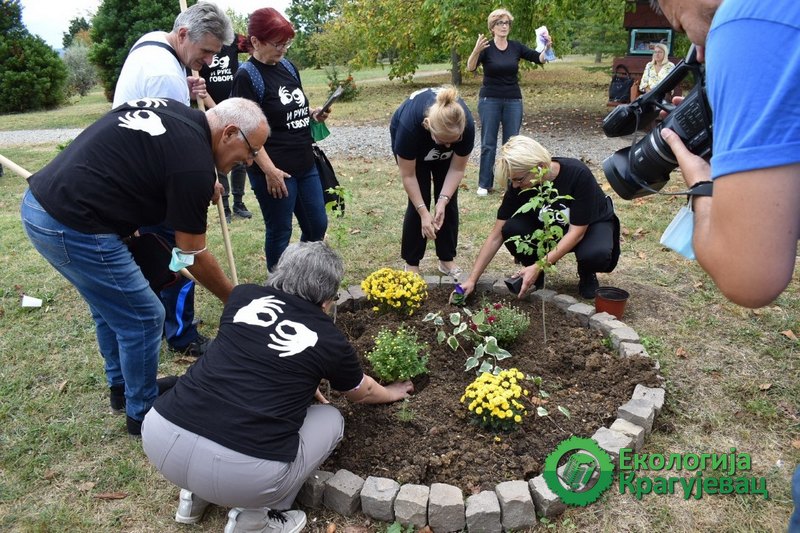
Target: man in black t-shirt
(239, 428)
(147, 161)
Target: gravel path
(372, 141)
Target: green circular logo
(586, 474)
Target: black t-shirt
(410, 139)
(288, 113)
(501, 69)
(588, 203)
(134, 167)
(219, 75)
(251, 390)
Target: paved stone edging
(512, 504)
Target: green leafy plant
(395, 290)
(503, 322)
(486, 352)
(338, 229)
(348, 85)
(494, 401)
(405, 413)
(398, 355)
(545, 239)
(396, 527)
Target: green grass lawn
(66, 464)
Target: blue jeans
(178, 301)
(493, 112)
(128, 315)
(794, 521)
(304, 201)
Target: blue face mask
(679, 233)
(180, 260)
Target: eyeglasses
(502, 23)
(253, 153)
(282, 46)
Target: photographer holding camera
(754, 215)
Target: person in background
(239, 428)
(432, 135)
(500, 98)
(284, 177)
(156, 67)
(81, 208)
(592, 228)
(218, 76)
(657, 69)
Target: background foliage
(33, 75)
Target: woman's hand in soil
(320, 397)
(529, 275)
(399, 390)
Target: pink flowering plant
(503, 322)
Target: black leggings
(598, 251)
(412, 248)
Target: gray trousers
(231, 479)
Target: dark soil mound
(437, 443)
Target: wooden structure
(645, 28)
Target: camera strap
(701, 188)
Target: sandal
(454, 272)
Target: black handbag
(153, 255)
(620, 88)
(327, 177)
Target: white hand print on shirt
(147, 102)
(287, 97)
(142, 120)
(268, 305)
(436, 155)
(292, 338)
(284, 95)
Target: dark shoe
(134, 427)
(241, 211)
(587, 285)
(116, 394)
(539, 283)
(227, 215)
(196, 348)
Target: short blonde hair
(519, 154)
(664, 49)
(496, 15)
(446, 118)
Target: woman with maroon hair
(284, 177)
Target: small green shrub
(503, 322)
(348, 85)
(398, 355)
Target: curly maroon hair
(268, 25)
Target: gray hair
(243, 113)
(205, 18)
(309, 270)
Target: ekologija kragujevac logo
(585, 476)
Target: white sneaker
(190, 508)
(482, 192)
(264, 520)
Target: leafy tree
(76, 26)
(309, 18)
(120, 23)
(81, 74)
(33, 74)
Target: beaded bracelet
(444, 196)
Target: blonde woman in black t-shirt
(587, 216)
(500, 98)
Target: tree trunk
(598, 57)
(455, 71)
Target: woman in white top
(657, 69)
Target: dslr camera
(644, 167)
